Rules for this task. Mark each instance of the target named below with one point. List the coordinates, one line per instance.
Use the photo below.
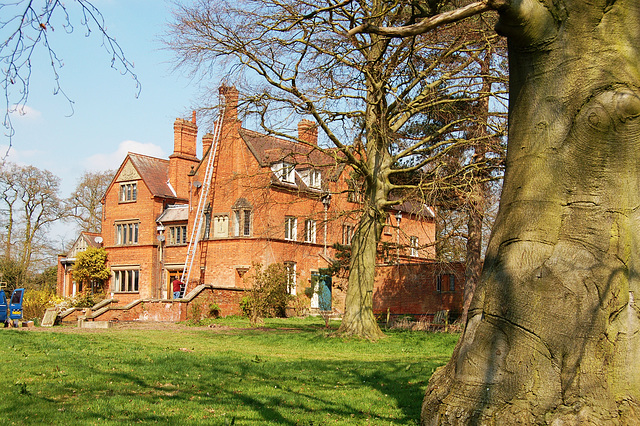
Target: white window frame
(315, 178)
(290, 268)
(285, 172)
(415, 244)
(242, 223)
(347, 234)
(310, 231)
(126, 279)
(290, 228)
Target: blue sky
(108, 120)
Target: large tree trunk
(473, 264)
(552, 334)
(358, 319)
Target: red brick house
(265, 205)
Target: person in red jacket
(177, 287)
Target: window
(126, 280)
(284, 171)
(127, 233)
(291, 277)
(347, 234)
(446, 281)
(414, 246)
(178, 235)
(246, 228)
(354, 194)
(314, 179)
(290, 228)
(221, 226)
(242, 223)
(387, 225)
(309, 231)
(128, 192)
(206, 227)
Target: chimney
(207, 140)
(230, 94)
(184, 136)
(308, 131)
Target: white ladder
(196, 230)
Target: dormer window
(312, 178)
(285, 172)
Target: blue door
(3, 307)
(324, 292)
(15, 305)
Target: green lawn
(287, 373)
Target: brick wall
(411, 289)
(122, 309)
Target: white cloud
(114, 159)
(21, 157)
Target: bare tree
(84, 206)
(31, 198)
(553, 330)
(10, 193)
(365, 92)
(25, 26)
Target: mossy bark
(552, 333)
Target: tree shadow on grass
(171, 386)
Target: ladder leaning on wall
(196, 229)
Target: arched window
(242, 218)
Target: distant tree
(10, 193)
(46, 280)
(30, 205)
(13, 274)
(84, 206)
(26, 26)
(91, 268)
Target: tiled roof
(90, 238)
(270, 149)
(155, 174)
(174, 213)
(415, 208)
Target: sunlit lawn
(287, 373)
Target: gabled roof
(84, 240)
(155, 174)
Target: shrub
(87, 299)
(35, 302)
(214, 310)
(268, 296)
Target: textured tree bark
(358, 319)
(552, 333)
(473, 266)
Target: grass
(288, 372)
